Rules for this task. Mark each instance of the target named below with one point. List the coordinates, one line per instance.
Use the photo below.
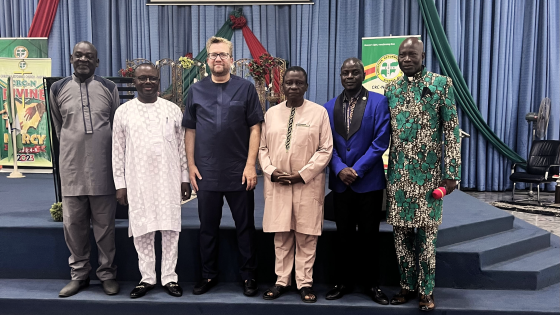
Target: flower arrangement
(127, 72)
(260, 67)
(56, 211)
(187, 61)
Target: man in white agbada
(151, 176)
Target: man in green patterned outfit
(422, 106)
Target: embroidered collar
(417, 76)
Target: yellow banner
(29, 100)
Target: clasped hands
(348, 175)
(284, 178)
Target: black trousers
(242, 205)
(357, 252)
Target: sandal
(426, 303)
(308, 292)
(276, 290)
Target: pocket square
(426, 91)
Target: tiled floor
(549, 223)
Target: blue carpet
(40, 297)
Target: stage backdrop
(507, 50)
(29, 97)
(29, 47)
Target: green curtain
(188, 76)
(451, 69)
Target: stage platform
(19, 297)
(488, 262)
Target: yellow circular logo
(21, 52)
(387, 68)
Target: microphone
(439, 192)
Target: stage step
(467, 231)
(482, 219)
(498, 247)
(32, 246)
(520, 259)
(533, 271)
(41, 297)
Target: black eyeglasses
(146, 78)
(213, 56)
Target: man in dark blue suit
(361, 131)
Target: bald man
(422, 106)
(360, 123)
(83, 106)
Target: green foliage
(56, 211)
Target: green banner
(29, 103)
(380, 56)
(24, 47)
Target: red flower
(189, 55)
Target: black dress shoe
(141, 289)
(173, 289)
(378, 296)
(403, 296)
(337, 292)
(250, 287)
(203, 286)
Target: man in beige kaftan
(296, 147)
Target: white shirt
(149, 160)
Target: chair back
(543, 154)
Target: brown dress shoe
(427, 303)
(403, 296)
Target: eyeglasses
(146, 78)
(213, 56)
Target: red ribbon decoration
(43, 19)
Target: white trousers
(147, 257)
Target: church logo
(21, 52)
(387, 68)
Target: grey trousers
(78, 212)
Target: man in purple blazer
(360, 121)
